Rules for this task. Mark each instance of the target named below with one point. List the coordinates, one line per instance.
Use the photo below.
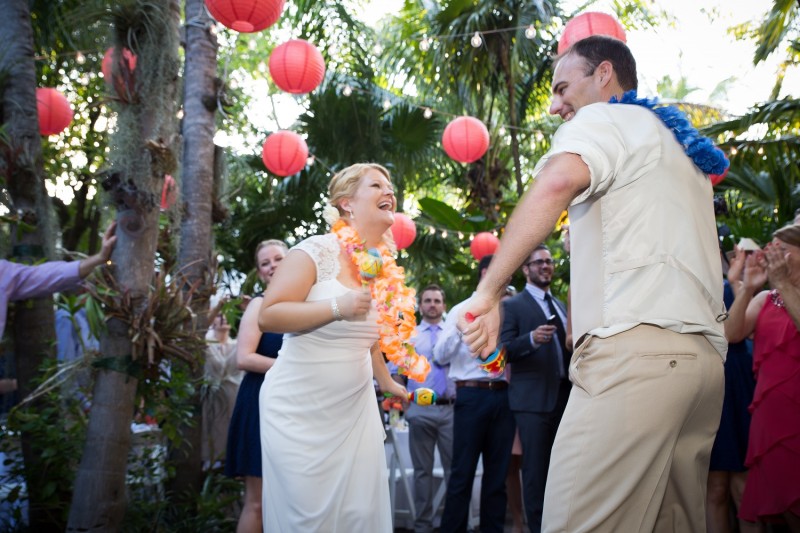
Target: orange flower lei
(395, 303)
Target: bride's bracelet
(337, 314)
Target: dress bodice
(324, 251)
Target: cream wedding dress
(321, 434)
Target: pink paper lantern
(465, 139)
(483, 244)
(284, 153)
(404, 231)
(246, 16)
(55, 113)
(169, 192)
(716, 179)
(297, 66)
(123, 82)
(588, 24)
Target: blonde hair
(269, 242)
(345, 182)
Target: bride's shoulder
(324, 251)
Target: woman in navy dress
(727, 472)
(256, 353)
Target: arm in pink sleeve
(19, 282)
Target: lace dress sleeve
(324, 251)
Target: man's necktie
(561, 333)
(439, 384)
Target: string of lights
(428, 112)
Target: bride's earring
(352, 216)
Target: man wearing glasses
(533, 335)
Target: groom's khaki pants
(633, 447)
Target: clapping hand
(775, 261)
(736, 266)
(755, 273)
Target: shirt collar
(535, 291)
(424, 326)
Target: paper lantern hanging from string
(246, 16)
(588, 24)
(483, 244)
(465, 139)
(296, 66)
(169, 192)
(404, 231)
(54, 110)
(716, 179)
(284, 153)
(123, 83)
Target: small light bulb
(530, 32)
(80, 58)
(476, 40)
(734, 151)
(347, 91)
(432, 230)
(460, 236)
(427, 113)
(310, 160)
(471, 237)
(761, 151)
(444, 234)
(386, 104)
(502, 130)
(424, 44)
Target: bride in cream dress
(321, 434)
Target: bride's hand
(396, 389)
(354, 304)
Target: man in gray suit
(533, 334)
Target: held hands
(480, 324)
(543, 334)
(354, 305)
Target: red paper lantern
(483, 244)
(55, 113)
(123, 82)
(404, 231)
(716, 179)
(588, 24)
(169, 192)
(465, 139)
(296, 66)
(284, 153)
(246, 16)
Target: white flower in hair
(330, 214)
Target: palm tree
(23, 173)
(197, 178)
(500, 81)
(763, 185)
(143, 152)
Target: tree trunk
(33, 328)
(142, 155)
(197, 191)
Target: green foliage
(212, 509)
(55, 429)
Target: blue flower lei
(701, 150)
